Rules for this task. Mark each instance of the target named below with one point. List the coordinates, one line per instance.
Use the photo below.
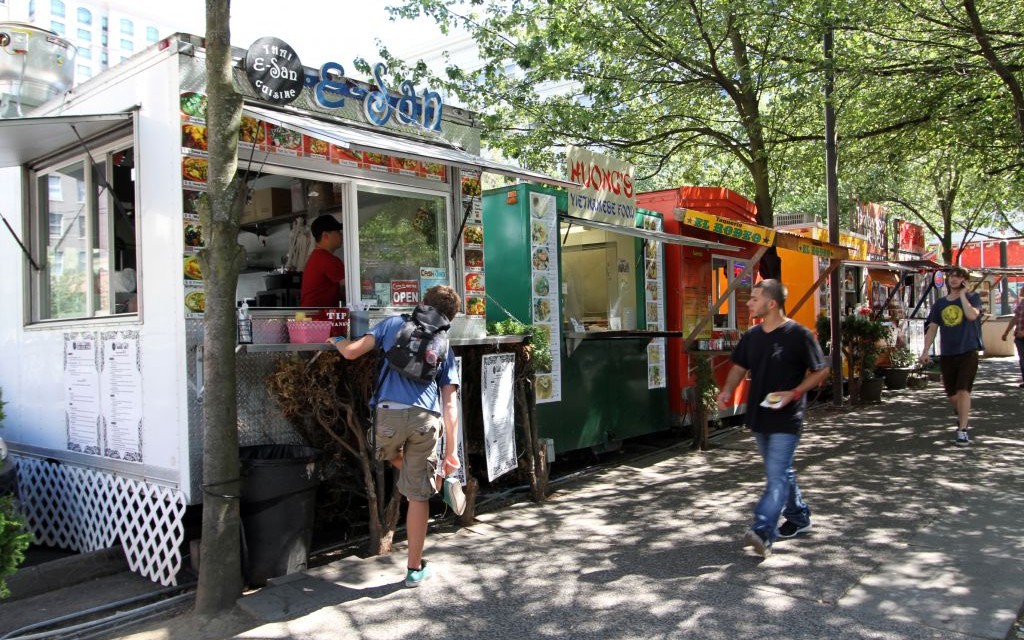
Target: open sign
(405, 293)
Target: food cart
(708, 290)
(596, 286)
(103, 332)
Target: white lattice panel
(87, 510)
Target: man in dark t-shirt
(956, 318)
(784, 361)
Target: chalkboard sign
(274, 70)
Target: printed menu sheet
(545, 301)
(82, 392)
(497, 394)
(103, 394)
(654, 301)
(121, 395)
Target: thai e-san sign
(752, 233)
(277, 76)
(606, 192)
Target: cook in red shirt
(323, 279)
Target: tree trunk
(220, 575)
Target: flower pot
(897, 378)
(871, 390)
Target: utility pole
(832, 192)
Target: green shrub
(14, 539)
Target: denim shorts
(412, 432)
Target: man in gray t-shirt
(956, 318)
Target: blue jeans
(781, 493)
(1019, 343)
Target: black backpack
(421, 345)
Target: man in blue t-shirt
(956, 317)
(408, 420)
(784, 361)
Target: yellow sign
(727, 227)
(817, 250)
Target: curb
(65, 572)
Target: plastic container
(278, 500)
(309, 331)
(269, 331)
(359, 323)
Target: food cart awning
(648, 234)
(878, 265)
(27, 139)
(356, 138)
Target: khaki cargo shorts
(414, 433)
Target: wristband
(336, 339)
(796, 394)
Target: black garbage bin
(278, 496)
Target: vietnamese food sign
(606, 192)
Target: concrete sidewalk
(913, 538)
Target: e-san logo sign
(274, 70)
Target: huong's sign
(606, 192)
(274, 70)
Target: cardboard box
(267, 203)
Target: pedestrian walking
(784, 361)
(408, 418)
(1016, 326)
(956, 318)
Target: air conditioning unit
(790, 219)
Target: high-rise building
(104, 32)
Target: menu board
(545, 302)
(460, 437)
(654, 301)
(473, 247)
(103, 394)
(82, 392)
(121, 395)
(497, 391)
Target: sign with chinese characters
(606, 192)
(727, 227)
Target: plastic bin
(278, 498)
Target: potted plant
(901, 360)
(861, 336)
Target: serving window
(599, 274)
(402, 235)
(734, 307)
(83, 227)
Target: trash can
(278, 497)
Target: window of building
(152, 35)
(57, 8)
(104, 39)
(31, 10)
(127, 28)
(127, 45)
(398, 233)
(85, 35)
(734, 308)
(85, 53)
(89, 272)
(57, 27)
(104, 59)
(82, 72)
(104, 23)
(84, 16)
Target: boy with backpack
(416, 394)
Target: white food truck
(102, 329)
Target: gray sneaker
(761, 546)
(962, 439)
(789, 530)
